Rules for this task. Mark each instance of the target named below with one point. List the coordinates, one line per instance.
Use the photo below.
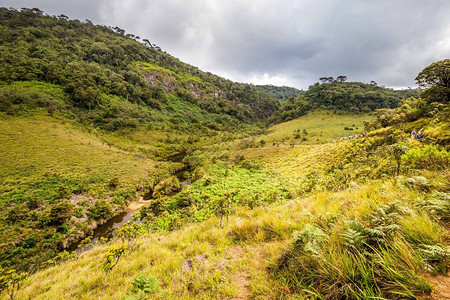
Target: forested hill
(117, 78)
(280, 92)
(352, 97)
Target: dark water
(106, 229)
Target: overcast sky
(284, 42)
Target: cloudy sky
(283, 42)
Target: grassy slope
(321, 127)
(205, 261)
(45, 160)
(37, 145)
(240, 260)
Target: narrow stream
(106, 229)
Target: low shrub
(101, 209)
(429, 157)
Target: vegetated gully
(106, 229)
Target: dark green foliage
(282, 93)
(102, 209)
(90, 61)
(436, 78)
(114, 182)
(60, 212)
(352, 97)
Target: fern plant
(436, 257)
(143, 287)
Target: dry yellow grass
(204, 261)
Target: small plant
(437, 257)
(143, 286)
(10, 281)
(146, 216)
(113, 183)
(309, 239)
(129, 232)
(113, 256)
(397, 151)
(61, 257)
(438, 205)
(85, 242)
(223, 207)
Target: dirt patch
(240, 280)
(441, 288)
(138, 204)
(75, 199)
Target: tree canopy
(436, 78)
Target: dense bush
(60, 212)
(429, 157)
(101, 209)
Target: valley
(126, 173)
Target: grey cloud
(284, 41)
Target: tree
(146, 216)
(223, 205)
(129, 232)
(397, 151)
(101, 209)
(326, 79)
(436, 78)
(341, 78)
(113, 256)
(147, 43)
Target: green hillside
(282, 93)
(354, 97)
(95, 64)
(87, 117)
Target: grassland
(45, 163)
(321, 127)
(300, 221)
(240, 259)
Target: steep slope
(95, 63)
